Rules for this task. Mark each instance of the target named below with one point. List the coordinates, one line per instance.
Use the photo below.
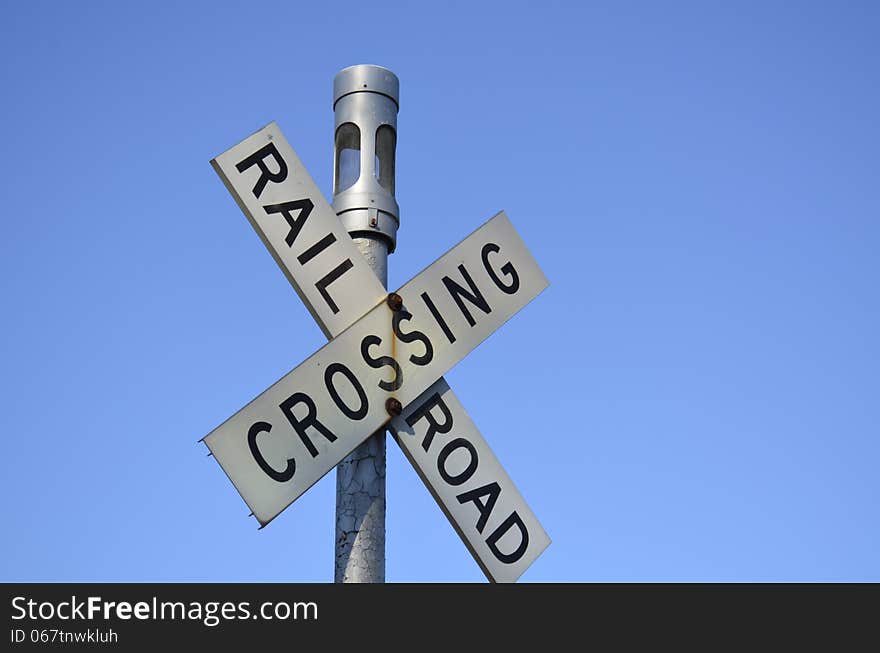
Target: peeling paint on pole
(360, 483)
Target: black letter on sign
(281, 477)
(492, 490)
(506, 525)
(507, 269)
(378, 363)
(434, 427)
(316, 249)
(329, 278)
(412, 336)
(265, 176)
(446, 451)
(475, 297)
(300, 425)
(303, 206)
(430, 304)
(331, 370)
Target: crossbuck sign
(384, 362)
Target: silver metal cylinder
(365, 105)
(365, 102)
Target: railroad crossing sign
(384, 362)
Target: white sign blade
(280, 444)
(469, 484)
(300, 229)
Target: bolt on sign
(383, 364)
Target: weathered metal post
(365, 105)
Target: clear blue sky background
(694, 398)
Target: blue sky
(694, 398)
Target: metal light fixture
(365, 105)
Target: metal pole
(365, 105)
